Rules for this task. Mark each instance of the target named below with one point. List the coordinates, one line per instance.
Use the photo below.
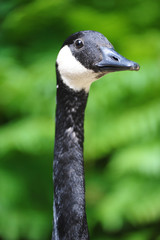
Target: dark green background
(122, 124)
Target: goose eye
(79, 43)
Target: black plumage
(92, 56)
(68, 163)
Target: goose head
(85, 57)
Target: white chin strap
(72, 72)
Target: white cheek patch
(72, 72)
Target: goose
(84, 57)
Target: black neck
(69, 186)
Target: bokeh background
(122, 124)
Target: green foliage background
(122, 127)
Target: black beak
(113, 61)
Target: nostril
(114, 58)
